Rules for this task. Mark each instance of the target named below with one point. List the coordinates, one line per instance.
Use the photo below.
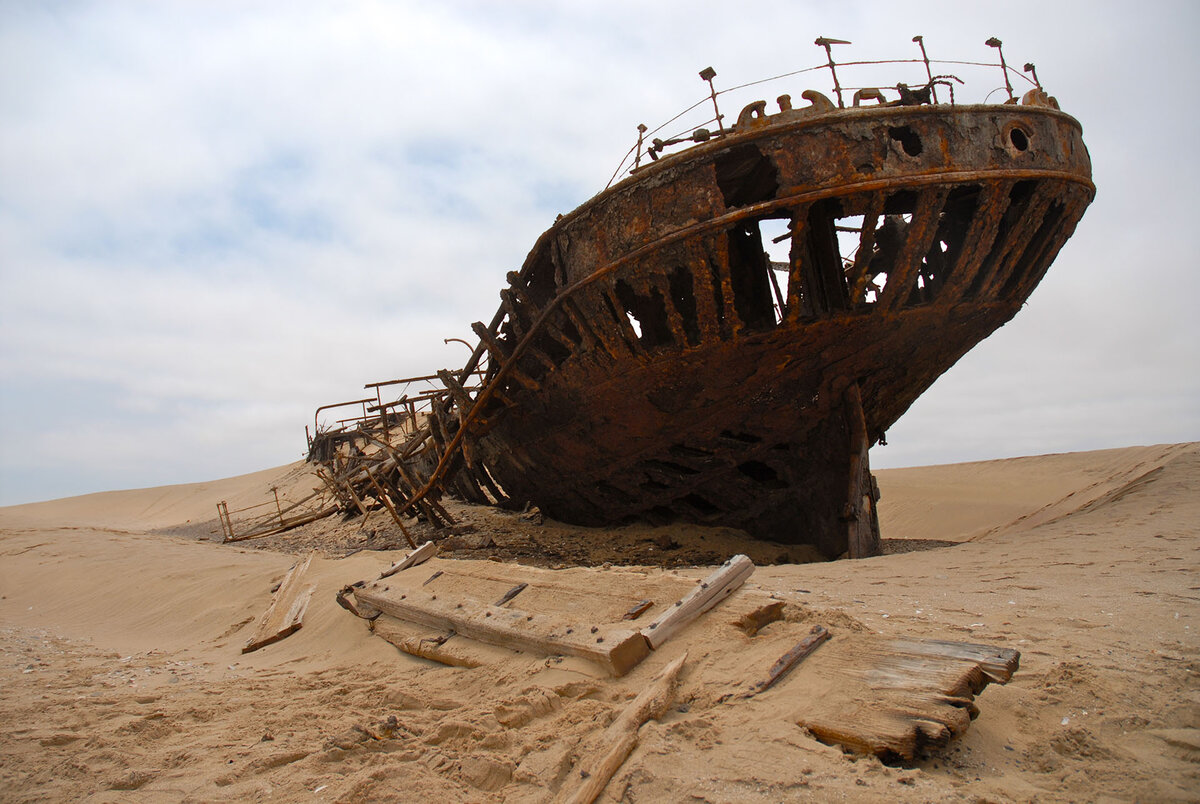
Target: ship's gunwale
(771, 127)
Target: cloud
(215, 217)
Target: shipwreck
(721, 336)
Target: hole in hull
(909, 140)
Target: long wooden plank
(387, 503)
(285, 614)
(711, 591)
(615, 648)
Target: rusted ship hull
(652, 361)
(649, 362)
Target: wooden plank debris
(418, 556)
(621, 737)
(897, 698)
(616, 649)
(445, 649)
(285, 614)
(511, 593)
(708, 593)
(638, 609)
(759, 617)
(793, 657)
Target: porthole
(1017, 140)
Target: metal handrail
(697, 133)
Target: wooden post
(226, 524)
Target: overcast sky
(215, 216)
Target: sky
(216, 216)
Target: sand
(121, 676)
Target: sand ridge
(122, 677)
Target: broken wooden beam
(511, 593)
(418, 556)
(621, 737)
(637, 609)
(285, 614)
(708, 593)
(793, 657)
(383, 498)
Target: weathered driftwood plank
(793, 657)
(566, 593)
(616, 649)
(447, 649)
(418, 556)
(898, 698)
(592, 775)
(285, 614)
(711, 591)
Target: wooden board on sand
(895, 698)
(285, 614)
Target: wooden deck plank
(617, 649)
(285, 614)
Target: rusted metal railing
(283, 517)
(923, 90)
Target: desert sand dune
(122, 678)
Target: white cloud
(214, 217)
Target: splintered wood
(285, 614)
(895, 698)
(417, 556)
